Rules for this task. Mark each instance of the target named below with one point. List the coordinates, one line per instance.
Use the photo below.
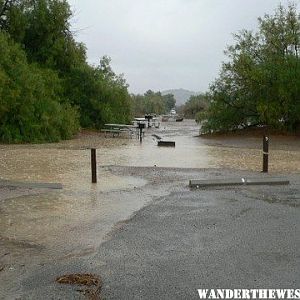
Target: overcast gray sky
(164, 44)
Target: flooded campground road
(40, 226)
(68, 162)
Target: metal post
(265, 154)
(141, 134)
(94, 165)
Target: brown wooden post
(265, 154)
(141, 126)
(141, 134)
(94, 165)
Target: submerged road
(231, 237)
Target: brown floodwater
(68, 162)
(35, 227)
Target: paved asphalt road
(242, 237)
(226, 238)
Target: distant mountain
(181, 95)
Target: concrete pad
(215, 182)
(238, 181)
(268, 181)
(37, 185)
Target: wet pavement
(182, 240)
(223, 238)
(44, 233)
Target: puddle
(64, 224)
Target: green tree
(101, 95)
(194, 105)
(169, 101)
(152, 102)
(259, 85)
(42, 29)
(31, 102)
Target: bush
(32, 108)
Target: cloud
(163, 44)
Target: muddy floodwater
(68, 161)
(38, 225)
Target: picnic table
(154, 122)
(116, 129)
(140, 120)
